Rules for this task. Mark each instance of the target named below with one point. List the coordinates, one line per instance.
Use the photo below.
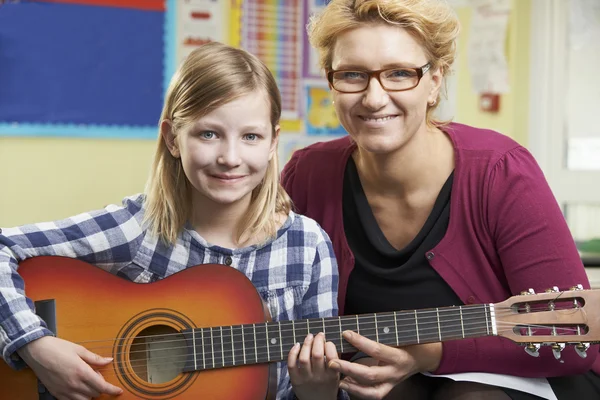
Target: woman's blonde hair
(211, 76)
(432, 23)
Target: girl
(213, 196)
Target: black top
(386, 279)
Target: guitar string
(498, 312)
(239, 337)
(299, 325)
(221, 357)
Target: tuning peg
(533, 349)
(581, 349)
(553, 289)
(577, 287)
(528, 292)
(557, 348)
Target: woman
(213, 196)
(423, 213)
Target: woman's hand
(311, 378)
(66, 369)
(376, 377)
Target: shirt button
(430, 255)
(471, 300)
(228, 261)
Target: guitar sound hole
(158, 354)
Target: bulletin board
(84, 68)
(100, 68)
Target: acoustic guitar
(203, 333)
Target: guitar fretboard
(227, 346)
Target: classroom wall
(50, 178)
(513, 117)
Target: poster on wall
(199, 22)
(486, 46)
(320, 116)
(270, 29)
(84, 68)
(310, 66)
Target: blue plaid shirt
(295, 273)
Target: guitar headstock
(554, 318)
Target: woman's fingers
(362, 374)
(376, 350)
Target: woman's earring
(431, 104)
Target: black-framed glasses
(390, 79)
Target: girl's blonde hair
(432, 23)
(211, 76)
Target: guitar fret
(244, 344)
(203, 351)
(232, 346)
(300, 332)
(191, 349)
(250, 356)
(222, 350)
(237, 345)
(368, 324)
(462, 326)
(228, 360)
(332, 325)
(357, 325)
(280, 340)
(487, 324)
(417, 327)
(478, 321)
(274, 344)
(194, 344)
(267, 341)
(288, 337)
(212, 346)
(384, 328)
(255, 349)
(396, 328)
(349, 323)
(262, 342)
(325, 333)
(428, 326)
(437, 313)
(341, 338)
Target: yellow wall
(51, 178)
(47, 179)
(513, 117)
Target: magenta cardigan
(506, 234)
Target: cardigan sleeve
(537, 251)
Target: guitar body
(117, 318)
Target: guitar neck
(227, 346)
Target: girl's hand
(66, 369)
(389, 367)
(311, 378)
